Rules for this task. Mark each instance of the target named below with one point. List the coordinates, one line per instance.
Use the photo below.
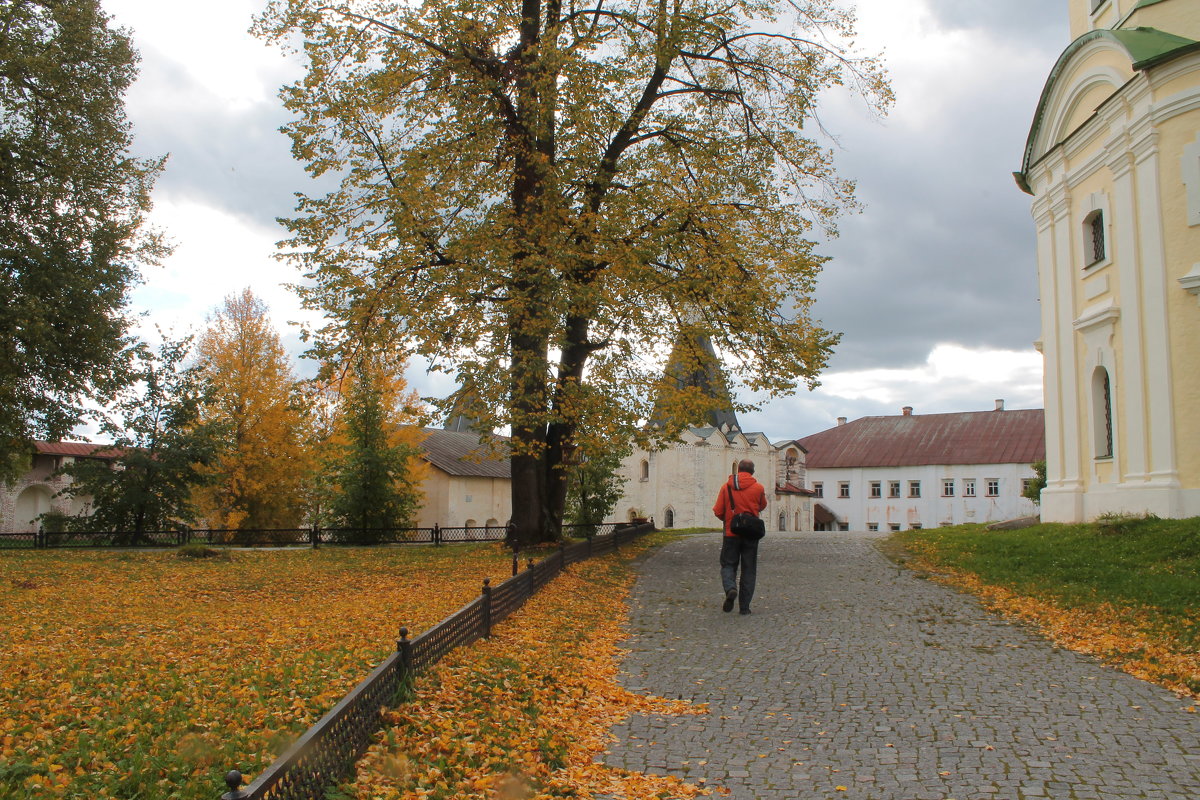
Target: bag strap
(732, 510)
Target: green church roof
(1147, 47)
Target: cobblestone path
(855, 679)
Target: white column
(1153, 273)
(1133, 430)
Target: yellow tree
(255, 398)
(541, 197)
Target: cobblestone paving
(855, 679)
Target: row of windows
(949, 488)
(893, 526)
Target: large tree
(541, 197)
(72, 207)
(162, 449)
(254, 396)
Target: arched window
(1102, 413)
(783, 520)
(645, 470)
(669, 518)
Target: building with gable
(924, 471)
(677, 486)
(1113, 164)
(468, 480)
(36, 492)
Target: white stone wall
(678, 486)
(932, 509)
(36, 492)
(458, 500)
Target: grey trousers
(738, 552)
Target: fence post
(437, 535)
(562, 555)
(516, 566)
(404, 647)
(233, 779)
(487, 608)
(314, 537)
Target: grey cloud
(1040, 22)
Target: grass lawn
(148, 675)
(1127, 591)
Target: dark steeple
(694, 363)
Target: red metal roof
(76, 449)
(972, 437)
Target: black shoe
(730, 596)
(744, 612)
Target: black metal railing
(327, 752)
(279, 537)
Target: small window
(669, 518)
(783, 521)
(843, 526)
(876, 489)
(968, 487)
(1094, 249)
(916, 526)
(893, 526)
(843, 488)
(1025, 484)
(993, 487)
(948, 487)
(872, 526)
(914, 488)
(818, 489)
(645, 470)
(893, 488)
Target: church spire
(694, 365)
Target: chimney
(1000, 404)
(907, 411)
(841, 421)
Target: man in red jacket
(748, 495)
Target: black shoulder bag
(743, 524)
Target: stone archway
(31, 503)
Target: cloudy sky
(933, 286)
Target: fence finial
(233, 779)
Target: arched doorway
(31, 503)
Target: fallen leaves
(1123, 637)
(528, 713)
(143, 675)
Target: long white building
(924, 471)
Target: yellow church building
(1113, 164)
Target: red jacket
(751, 498)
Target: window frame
(818, 488)
(893, 489)
(992, 487)
(914, 489)
(876, 490)
(843, 490)
(969, 487)
(948, 487)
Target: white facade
(678, 486)
(37, 491)
(907, 498)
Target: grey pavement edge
(856, 679)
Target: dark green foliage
(373, 487)
(72, 204)
(1034, 490)
(162, 446)
(594, 487)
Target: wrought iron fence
(279, 537)
(327, 752)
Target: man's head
(746, 465)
